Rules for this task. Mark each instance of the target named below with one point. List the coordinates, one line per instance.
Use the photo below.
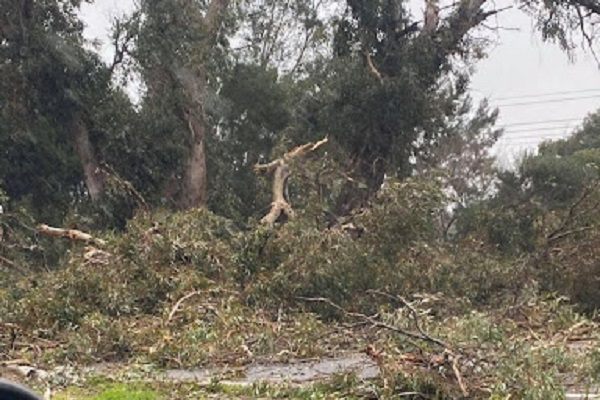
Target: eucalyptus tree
(50, 86)
(179, 48)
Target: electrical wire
(559, 100)
(533, 138)
(540, 122)
(528, 96)
(543, 129)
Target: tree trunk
(87, 156)
(193, 187)
(193, 191)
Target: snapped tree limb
(281, 172)
(72, 234)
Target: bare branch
(591, 5)
(123, 36)
(179, 303)
(72, 234)
(12, 264)
(588, 38)
(563, 235)
(376, 323)
(307, 39)
(558, 232)
(458, 376)
(414, 313)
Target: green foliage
(396, 250)
(211, 285)
(546, 212)
(387, 94)
(49, 84)
(255, 114)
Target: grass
(216, 390)
(111, 391)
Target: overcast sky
(519, 71)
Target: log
(71, 234)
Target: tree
(389, 88)
(178, 49)
(462, 160)
(562, 169)
(565, 22)
(49, 85)
(548, 197)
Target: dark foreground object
(13, 391)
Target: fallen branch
(279, 203)
(563, 235)
(376, 323)
(458, 376)
(414, 314)
(71, 234)
(12, 264)
(178, 304)
(95, 256)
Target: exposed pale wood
(281, 172)
(71, 234)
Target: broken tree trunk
(72, 234)
(281, 172)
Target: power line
(541, 122)
(525, 138)
(523, 143)
(531, 139)
(526, 145)
(527, 96)
(544, 129)
(559, 100)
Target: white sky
(518, 65)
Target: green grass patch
(113, 391)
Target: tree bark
(87, 157)
(194, 185)
(195, 177)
